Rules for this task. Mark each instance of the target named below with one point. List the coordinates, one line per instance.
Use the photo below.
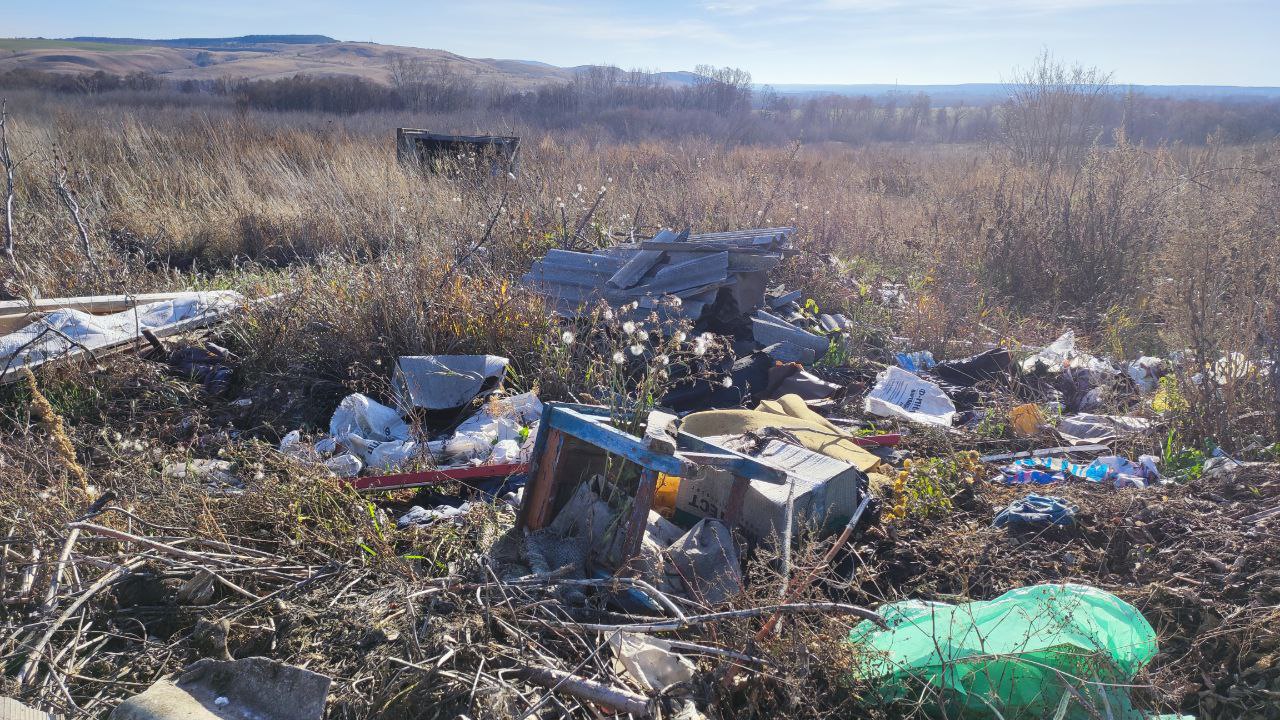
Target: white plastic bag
(1061, 355)
(361, 415)
(904, 395)
(527, 407)
(393, 455)
(1143, 372)
(325, 447)
(650, 661)
(345, 465)
(505, 451)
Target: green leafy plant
(924, 488)
(1180, 461)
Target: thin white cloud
(1021, 7)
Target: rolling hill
(255, 57)
(269, 57)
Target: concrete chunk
(11, 709)
(210, 689)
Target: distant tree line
(84, 84)
(1052, 110)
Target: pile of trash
(366, 436)
(641, 558)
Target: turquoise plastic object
(1012, 657)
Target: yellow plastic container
(664, 495)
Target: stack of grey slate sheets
(693, 268)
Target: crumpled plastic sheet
(1115, 469)
(1037, 511)
(1016, 656)
(1062, 355)
(99, 331)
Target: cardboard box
(825, 493)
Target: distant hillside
(214, 42)
(270, 57)
(256, 57)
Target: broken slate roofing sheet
(690, 267)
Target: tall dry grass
(1171, 248)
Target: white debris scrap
(63, 331)
(905, 395)
(1062, 355)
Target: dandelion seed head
(637, 349)
(726, 381)
(628, 327)
(619, 358)
(662, 359)
(567, 337)
(679, 336)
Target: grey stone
(210, 689)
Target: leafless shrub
(1054, 113)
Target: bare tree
(1053, 113)
(69, 201)
(722, 90)
(6, 159)
(409, 79)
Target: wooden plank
(95, 304)
(660, 432)
(12, 322)
(639, 520)
(204, 320)
(614, 441)
(696, 448)
(535, 511)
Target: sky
(1164, 42)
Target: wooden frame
(590, 425)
